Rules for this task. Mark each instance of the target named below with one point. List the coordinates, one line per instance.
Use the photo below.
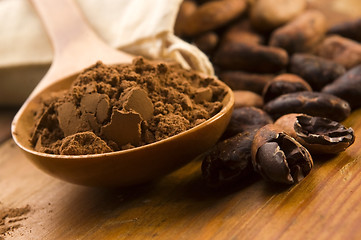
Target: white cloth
(139, 27)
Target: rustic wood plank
(324, 205)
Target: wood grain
(325, 205)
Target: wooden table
(325, 205)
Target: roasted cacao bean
(186, 9)
(212, 15)
(247, 99)
(238, 80)
(347, 87)
(341, 50)
(277, 157)
(301, 34)
(250, 57)
(282, 84)
(267, 15)
(229, 161)
(350, 29)
(317, 71)
(244, 119)
(317, 134)
(311, 103)
(242, 31)
(207, 42)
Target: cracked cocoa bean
(347, 87)
(238, 80)
(317, 134)
(301, 34)
(250, 57)
(350, 29)
(282, 84)
(317, 71)
(341, 50)
(244, 119)
(311, 103)
(229, 161)
(278, 157)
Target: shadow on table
(6, 116)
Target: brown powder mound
(83, 143)
(110, 108)
(10, 218)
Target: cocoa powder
(110, 108)
(10, 218)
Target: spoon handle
(75, 44)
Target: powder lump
(112, 108)
(10, 219)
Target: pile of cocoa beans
(295, 79)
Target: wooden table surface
(325, 205)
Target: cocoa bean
(277, 157)
(250, 57)
(267, 15)
(350, 29)
(282, 84)
(347, 87)
(229, 162)
(207, 42)
(212, 15)
(311, 103)
(317, 134)
(317, 71)
(186, 9)
(247, 99)
(238, 80)
(341, 50)
(244, 119)
(242, 31)
(301, 34)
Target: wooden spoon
(75, 48)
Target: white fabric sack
(139, 27)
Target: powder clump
(10, 219)
(116, 107)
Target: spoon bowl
(121, 168)
(114, 169)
